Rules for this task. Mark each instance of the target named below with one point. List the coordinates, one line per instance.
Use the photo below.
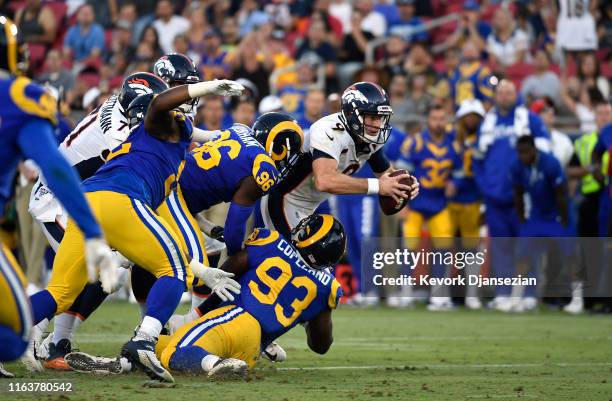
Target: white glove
(100, 258)
(122, 261)
(219, 281)
(220, 87)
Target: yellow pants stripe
(130, 227)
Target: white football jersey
(328, 135)
(105, 128)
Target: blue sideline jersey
(213, 171)
(279, 289)
(539, 182)
(432, 164)
(497, 150)
(470, 81)
(467, 188)
(144, 167)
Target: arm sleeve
(379, 162)
(37, 143)
(557, 177)
(235, 226)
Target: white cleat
(473, 303)
(398, 301)
(29, 359)
(501, 304)
(275, 353)
(229, 368)
(440, 304)
(575, 307)
(529, 304)
(365, 300)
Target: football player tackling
(284, 283)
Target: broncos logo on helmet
(366, 99)
(139, 83)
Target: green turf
(384, 354)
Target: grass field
(383, 354)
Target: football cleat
(473, 303)
(141, 353)
(30, 359)
(57, 352)
(229, 368)
(501, 304)
(5, 373)
(440, 304)
(575, 307)
(85, 363)
(274, 352)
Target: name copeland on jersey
(101, 130)
(330, 136)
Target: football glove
(219, 281)
(218, 87)
(101, 261)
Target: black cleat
(85, 363)
(141, 353)
(57, 352)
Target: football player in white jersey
(337, 146)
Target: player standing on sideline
(540, 177)
(27, 117)
(335, 147)
(493, 158)
(284, 283)
(464, 204)
(435, 162)
(136, 178)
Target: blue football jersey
(279, 289)
(213, 171)
(432, 164)
(143, 167)
(21, 101)
(467, 188)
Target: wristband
(373, 186)
(199, 89)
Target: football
(387, 204)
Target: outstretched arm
(158, 121)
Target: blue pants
(503, 224)
(360, 217)
(537, 238)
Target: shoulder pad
(334, 294)
(265, 172)
(262, 236)
(33, 99)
